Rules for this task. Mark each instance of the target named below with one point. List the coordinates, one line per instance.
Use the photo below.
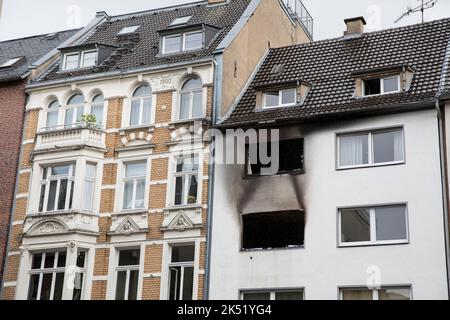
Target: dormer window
(280, 98)
(377, 86)
(181, 20)
(77, 60)
(186, 41)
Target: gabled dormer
(84, 56)
(182, 36)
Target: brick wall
(12, 105)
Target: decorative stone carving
(127, 227)
(181, 222)
(48, 227)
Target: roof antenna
(425, 5)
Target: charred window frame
(273, 230)
(290, 162)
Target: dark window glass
(120, 286)
(59, 284)
(37, 260)
(49, 260)
(289, 295)
(33, 288)
(179, 183)
(273, 230)
(62, 194)
(394, 294)
(175, 274)
(61, 259)
(46, 286)
(192, 196)
(183, 253)
(355, 225)
(255, 296)
(188, 282)
(77, 290)
(52, 195)
(129, 257)
(391, 223)
(372, 87)
(388, 146)
(42, 198)
(133, 285)
(81, 259)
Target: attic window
(273, 230)
(11, 62)
(187, 41)
(280, 98)
(377, 86)
(77, 60)
(128, 30)
(181, 20)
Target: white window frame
(81, 271)
(371, 158)
(87, 180)
(47, 180)
(141, 108)
(75, 108)
(80, 64)
(382, 92)
(195, 48)
(65, 61)
(272, 292)
(183, 265)
(41, 271)
(83, 54)
(375, 292)
(280, 99)
(129, 30)
(373, 230)
(191, 101)
(49, 110)
(135, 180)
(128, 270)
(181, 20)
(182, 47)
(185, 174)
(103, 105)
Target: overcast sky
(20, 18)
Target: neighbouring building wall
(12, 105)
(156, 229)
(321, 267)
(269, 26)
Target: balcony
(77, 135)
(298, 11)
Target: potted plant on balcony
(88, 120)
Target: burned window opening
(274, 230)
(291, 157)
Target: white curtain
(398, 146)
(353, 150)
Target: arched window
(141, 106)
(97, 108)
(74, 110)
(191, 102)
(52, 115)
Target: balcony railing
(299, 12)
(71, 135)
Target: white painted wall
(321, 267)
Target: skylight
(128, 30)
(181, 20)
(10, 62)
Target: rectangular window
(127, 274)
(71, 61)
(371, 148)
(273, 230)
(193, 41)
(141, 111)
(385, 293)
(378, 225)
(89, 59)
(181, 272)
(172, 44)
(294, 295)
(80, 275)
(57, 186)
(134, 185)
(47, 275)
(379, 86)
(280, 98)
(186, 180)
(89, 186)
(290, 157)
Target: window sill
(61, 212)
(188, 121)
(380, 94)
(279, 174)
(272, 250)
(184, 207)
(131, 211)
(373, 244)
(386, 164)
(144, 126)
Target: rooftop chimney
(355, 26)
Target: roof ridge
(365, 33)
(38, 35)
(168, 8)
